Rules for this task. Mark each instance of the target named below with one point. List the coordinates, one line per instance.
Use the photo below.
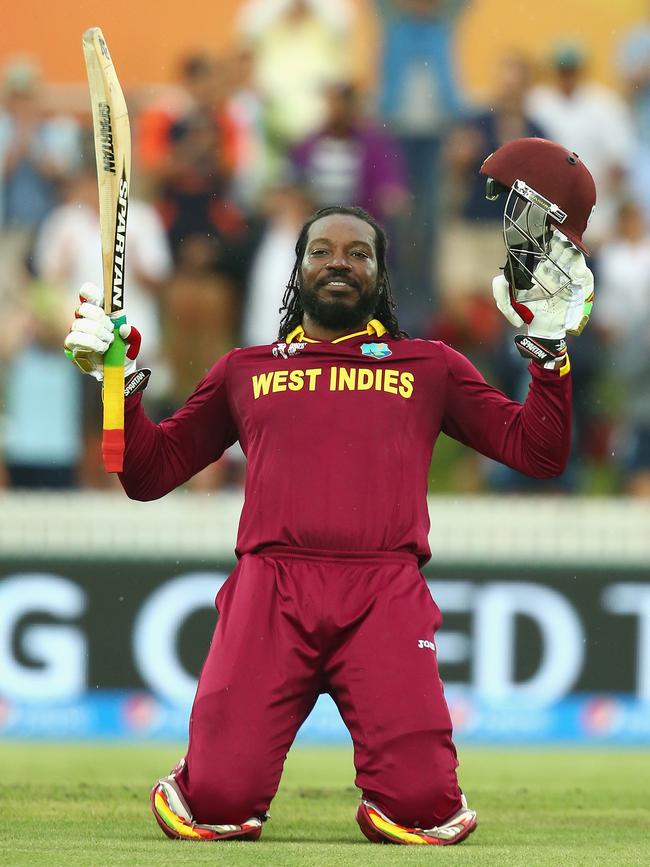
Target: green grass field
(88, 805)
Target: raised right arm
(157, 457)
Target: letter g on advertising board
(56, 651)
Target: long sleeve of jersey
(160, 457)
(533, 438)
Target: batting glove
(92, 333)
(565, 309)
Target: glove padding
(563, 310)
(92, 333)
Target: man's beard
(338, 314)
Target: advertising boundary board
(97, 648)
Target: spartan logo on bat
(106, 137)
(117, 289)
(103, 47)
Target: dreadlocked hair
(291, 301)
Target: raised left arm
(533, 438)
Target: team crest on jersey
(286, 350)
(375, 350)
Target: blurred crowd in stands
(230, 161)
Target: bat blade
(113, 157)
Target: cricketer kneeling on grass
(338, 420)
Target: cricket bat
(113, 156)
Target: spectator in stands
(351, 161)
(152, 142)
(199, 145)
(37, 153)
(196, 194)
(591, 120)
(244, 107)
(633, 59)
(42, 442)
(286, 207)
(298, 46)
(418, 99)
(67, 253)
(622, 315)
(418, 87)
(199, 315)
(471, 251)
(187, 146)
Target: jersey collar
(374, 327)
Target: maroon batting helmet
(549, 176)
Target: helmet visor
(527, 233)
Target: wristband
(136, 381)
(546, 351)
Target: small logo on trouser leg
(429, 645)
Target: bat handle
(115, 355)
(117, 350)
(113, 433)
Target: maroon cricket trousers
(297, 623)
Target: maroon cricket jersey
(339, 436)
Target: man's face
(341, 109)
(339, 272)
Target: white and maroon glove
(564, 310)
(91, 333)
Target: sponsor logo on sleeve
(287, 350)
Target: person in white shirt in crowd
(286, 207)
(245, 108)
(46, 444)
(67, 253)
(622, 317)
(591, 120)
(298, 46)
(633, 63)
